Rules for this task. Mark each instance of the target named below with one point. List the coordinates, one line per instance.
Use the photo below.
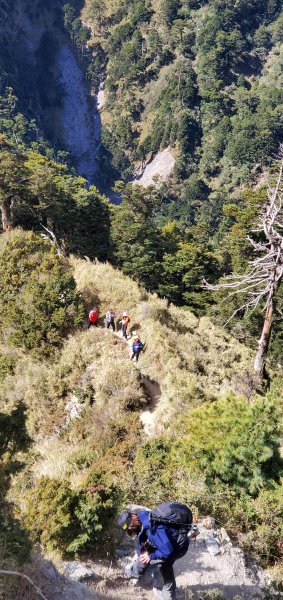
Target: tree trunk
(6, 213)
(264, 340)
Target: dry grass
(192, 361)
(55, 456)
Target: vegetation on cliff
(204, 79)
(88, 452)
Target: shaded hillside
(45, 99)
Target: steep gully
(68, 110)
(80, 117)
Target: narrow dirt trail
(153, 392)
(147, 417)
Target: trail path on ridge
(198, 573)
(153, 392)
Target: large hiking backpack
(110, 316)
(175, 516)
(137, 346)
(172, 514)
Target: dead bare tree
(51, 237)
(265, 272)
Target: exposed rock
(209, 522)
(78, 571)
(80, 118)
(212, 545)
(74, 408)
(101, 98)
(161, 166)
(54, 585)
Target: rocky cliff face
(39, 61)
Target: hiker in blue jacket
(158, 545)
(136, 347)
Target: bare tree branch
(52, 238)
(266, 270)
(15, 573)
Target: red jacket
(93, 315)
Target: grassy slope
(192, 362)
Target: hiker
(159, 543)
(110, 316)
(93, 317)
(136, 347)
(125, 322)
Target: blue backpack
(137, 346)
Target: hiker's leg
(124, 330)
(113, 325)
(168, 591)
(137, 356)
(108, 324)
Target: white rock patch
(161, 166)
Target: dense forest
(204, 79)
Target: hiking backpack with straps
(175, 516)
(172, 514)
(137, 346)
(93, 315)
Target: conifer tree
(13, 177)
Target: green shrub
(39, 304)
(71, 521)
(232, 442)
(265, 529)
(15, 545)
(7, 365)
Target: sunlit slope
(191, 359)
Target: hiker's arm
(163, 544)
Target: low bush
(71, 521)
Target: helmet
(125, 314)
(124, 519)
(136, 337)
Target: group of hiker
(136, 344)
(162, 535)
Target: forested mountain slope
(202, 77)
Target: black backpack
(172, 514)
